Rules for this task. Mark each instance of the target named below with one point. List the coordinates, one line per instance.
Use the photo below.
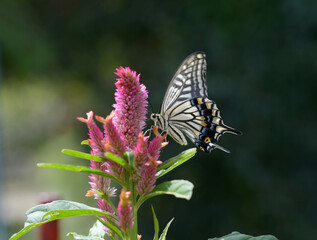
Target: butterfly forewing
(188, 82)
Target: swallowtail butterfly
(186, 109)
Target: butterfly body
(186, 109)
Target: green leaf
(44, 213)
(118, 160)
(78, 169)
(112, 226)
(178, 188)
(84, 155)
(239, 236)
(163, 235)
(156, 225)
(189, 152)
(174, 162)
(87, 156)
(85, 142)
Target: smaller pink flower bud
(125, 211)
(113, 136)
(148, 178)
(96, 138)
(97, 142)
(156, 144)
(140, 151)
(104, 205)
(114, 143)
(90, 193)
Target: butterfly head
(158, 120)
(154, 117)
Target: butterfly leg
(148, 131)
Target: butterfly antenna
(151, 105)
(148, 131)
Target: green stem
(134, 230)
(133, 233)
(111, 204)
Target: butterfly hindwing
(199, 119)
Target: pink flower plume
(125, 211)
(130, 107)
(96, 140)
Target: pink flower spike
(131, 102)
(84, 120)
(140, 152)
(98, 183)
(155, 146)
(90, 193)
(103, 205)
(100, 119)
(157, 134)
(148, 178)
(125, 211)
(115, 139)
(96, 136)
(114, 144)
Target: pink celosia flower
(125, 211)
(156, 144)
(140, 151)
(122, 133)
(114, 138)
(96, 140)
(148, 171)
(115, 143)
(98, 183)
(103, 205)
(148, 178)
(130, 105)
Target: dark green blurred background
(57, 63)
